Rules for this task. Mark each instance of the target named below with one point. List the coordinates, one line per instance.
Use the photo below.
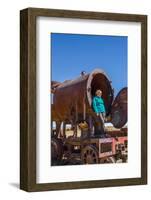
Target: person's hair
(98, 91)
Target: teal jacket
(98, 104)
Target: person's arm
(94, 105)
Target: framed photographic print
(83, 99)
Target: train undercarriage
(90, 150)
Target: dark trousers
(99, 124)
(102, 118)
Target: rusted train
(72, 104)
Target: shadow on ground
(16, 185)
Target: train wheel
(89, 155)
(56, 151)
(108, 160)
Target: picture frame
(28, 98)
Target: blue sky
(73, 53)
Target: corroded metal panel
(119, 109)
(73, 98)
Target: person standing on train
(99, 107)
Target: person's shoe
(107, 135)
(103, 136)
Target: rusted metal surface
(54, 85)
(119, 109)
(117, 132)
(73, 98)
(96, 150)
(89, 155)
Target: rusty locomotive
(72, 105)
